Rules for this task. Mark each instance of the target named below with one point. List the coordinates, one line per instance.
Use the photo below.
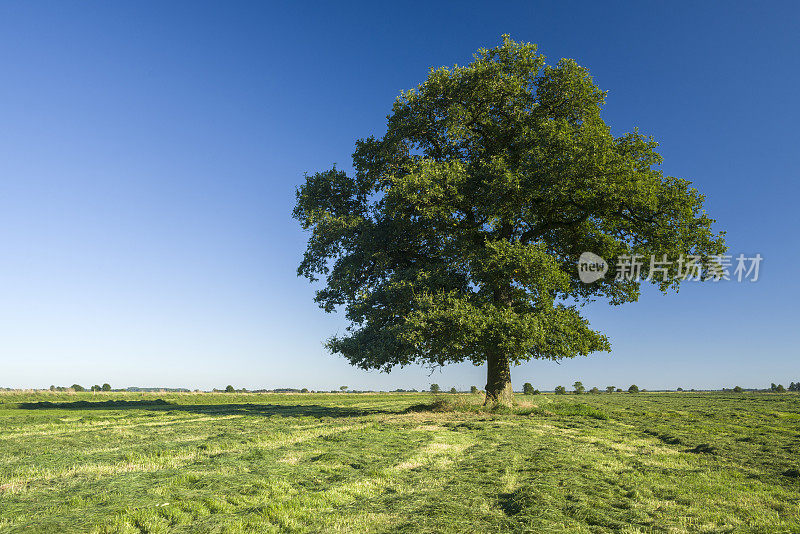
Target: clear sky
(149, 153)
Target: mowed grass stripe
(93, 426)
(331, 509)
(19, 479)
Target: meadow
(204, 462)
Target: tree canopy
(456, 236)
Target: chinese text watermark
(592, 267)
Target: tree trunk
(498, 368)
(498, 380)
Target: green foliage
(594, 390)
(610, 389)
(456, 237)
(77, 387)
(578, 386)
(343, 388)
(453, 390)
(106, 387)
(527, 388)
(473, 389)
(229, 389)
(738, 389)
(435, 388)
(633, 389)
(304, 390)
(561, 390)
(780, 389)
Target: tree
(737, 389)
(453, 390)
(106, 387)
(96, 388)
(610, 389)
(435, 388)
(680, 389)
(77, 387)
(773, 387)
(561, 390)
(229, 389)
(633, 389)
(343, 388)
(780, 389)
(527, 388)
(457, 235)
(473, 389)
(594, 390)
(579, 389)
(304, 390)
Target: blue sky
(149, 153)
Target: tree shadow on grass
(282, 410)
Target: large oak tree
(456, 237)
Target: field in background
(184, 462)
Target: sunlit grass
(399, 463)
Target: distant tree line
(579, 389)
(527, 389)
(78, 387)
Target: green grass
(672, 462)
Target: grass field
(648, 462)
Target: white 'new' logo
(591, 267)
